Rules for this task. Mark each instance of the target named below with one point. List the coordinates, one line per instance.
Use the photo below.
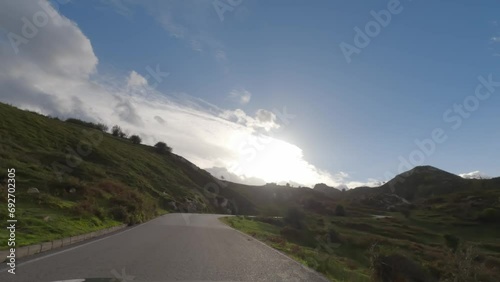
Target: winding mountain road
(173, 247)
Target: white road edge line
(76, 247)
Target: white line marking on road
(76, 247)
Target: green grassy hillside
(433, 226)
(88, 179)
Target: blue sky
(352, 122)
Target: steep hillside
(328, 190)
(447, 229)
(424, 181)
(71, 179)
(427, 187)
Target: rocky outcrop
(33, 190)
(173, 206)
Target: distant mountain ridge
(328, 190)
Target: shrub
(452, 241)
(464, 267)
(135, 139)
(162, 148)
(119, 213)
(116, 131)
(340, 211)
(102, 127)
(489, 215)
(396, 267)
(294, 217)
(83, 209)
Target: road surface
(173, 247)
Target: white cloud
(371, 182)
(242, 96)
(56, 73)
(263, 120)
(474, 175)
(136, 80)
(495, 38)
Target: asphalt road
(174, 247)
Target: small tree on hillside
(116, 130)
(135, 139)
(102, 127)
(162, 148)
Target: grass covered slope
(434, 226)
(393, 248)
(87, 179)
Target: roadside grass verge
(358, 248)
(335, 268)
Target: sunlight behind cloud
(38, 79)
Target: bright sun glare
(273, 160)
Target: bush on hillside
(116, 131)
(162, 148)
(135, 139)
(119, 213)
(102, 127)
(396, 267)
(463, 266)
(489, 215)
